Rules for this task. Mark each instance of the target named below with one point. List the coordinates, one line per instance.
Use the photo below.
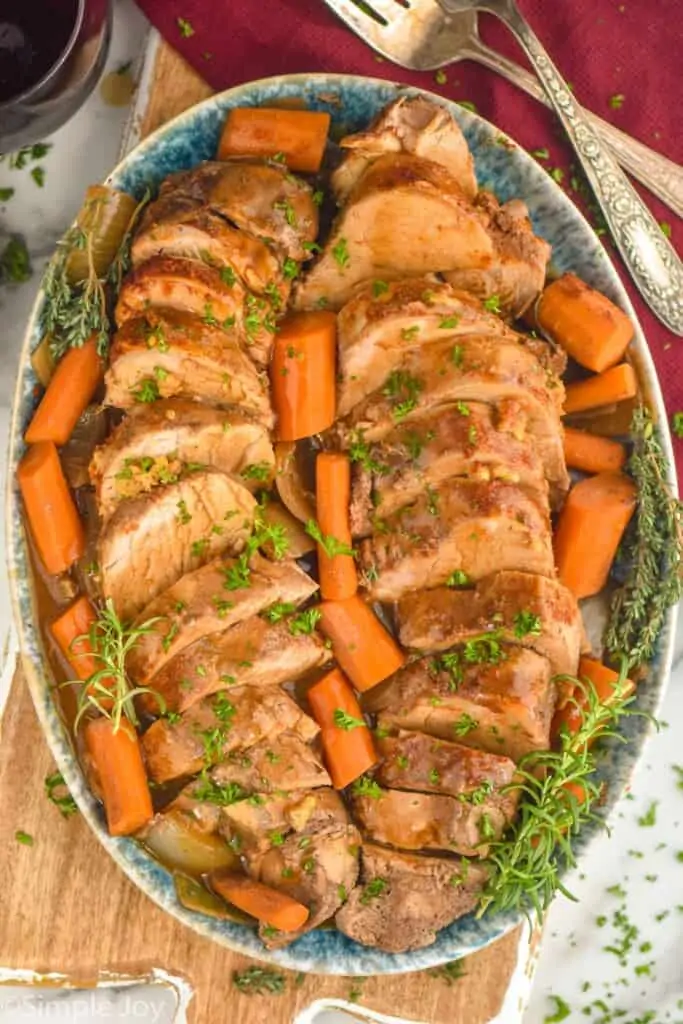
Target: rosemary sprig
(109, 690)
(652, 550)
(557, 797)
(72, 313)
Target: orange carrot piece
(270, 906)
(51, 512)
(297, 137)
(70, 390)
(338, 576)
(303, 373)
(614, 385)
(587, 325)
(361, 644)
(592, 454)
(346, 739)
(117, 760)
(589, 529)
(75, 622)
(573, 701)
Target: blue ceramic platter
(508, 172)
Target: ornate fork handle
(661, 176)
(651, 260)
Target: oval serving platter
(507, 171)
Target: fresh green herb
(109, 690)
(616, 102)
(472, 434)
(259, 981)
(432, 501)
(677, 424)
(57, 793)
(330, 545)
(449, 972)
(15, 264)
(257, 471)
(467, 105)
(379, 288)
(562, 1011)
(457, 356)
(185, 27)
(464, 725)
(170, 637)
(477, 796)
(410, 333)
(24, 838)
(290, 269)
(527, 624)
(340, 252)
(38, 175)
(458, 578)
(373, 890)
(361, 452)
(434, 776)
(342, 894)
(305, 622)
(6, 194)
(344, 721)
(557, 174)
(665, 228)
(492, 304)
(308, 865)
(223, 794)
(649, 819)
(440, 77)
(528, 861)
(449, 323)
(183, 516)
(365, 786)
(318, 199)
(276, 838)
(146, 391)
(541, 154)
(652, 549)
(198, 548)
(278, 611)
(403, 389)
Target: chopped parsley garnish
(58, 794)
(616, 102)
(365, 786)
(541, 154)
(410, 333)
(24, 838)
(458, 578)
(290, 269)
(318, 198)
(257, 471)
(146, 391)
(465, 724)
(457, 357)
(330, 545)
(259, 981)
(15, 265)
(373, 890)
(212, 792)
(344, 721)
(454, 969)
(677, 424)
(185, 27)
(492, 304)
(649, 819)
(228, 276)
(38, 175)
(379, 288)
(6, 194)
(278, 611)
(449, 322)
(360, 451)
(463, 408)
(305, 622)
(288, 210)
(527, 624)
(403, 389)
(341, 253)
(183, 515)
(562, 1011)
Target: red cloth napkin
(622, 58)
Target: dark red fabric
(604, 48)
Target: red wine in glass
(33, 36)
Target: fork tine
(404, 35)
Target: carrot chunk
(592, 454)
(587, 325)
(297, 137)
(117, 760)
(346, 739)
(51, 512)
(590, 527)
(337, 571)
(70, 631)
(270, 906)
(303, 374)
(614, 385)
(70, 390)
(361, 644)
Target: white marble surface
(643, 918)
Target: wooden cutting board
(66, 907)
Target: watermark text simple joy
(82, 1007)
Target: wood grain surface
(66, 907)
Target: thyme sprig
(558, 793)
(72, 313)
(109, 690)
(653, 550)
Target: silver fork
(650, 258)
(422, 37)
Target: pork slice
(166, 354)
(206, 602)
(415, 761)
(503, 706)
(411, 124)
(404, 218)
(472, 368)
(207, 733)
(150, 542)
(256, 826)
(463, 439)
(403, 900)
(518, 607)
(251, 653)
(285, 762)
(202, 234)
(163, 440)
(516, 274)
(319, 875)
(427, 821)
(261, 198)
(469, 526)
(383, 322)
